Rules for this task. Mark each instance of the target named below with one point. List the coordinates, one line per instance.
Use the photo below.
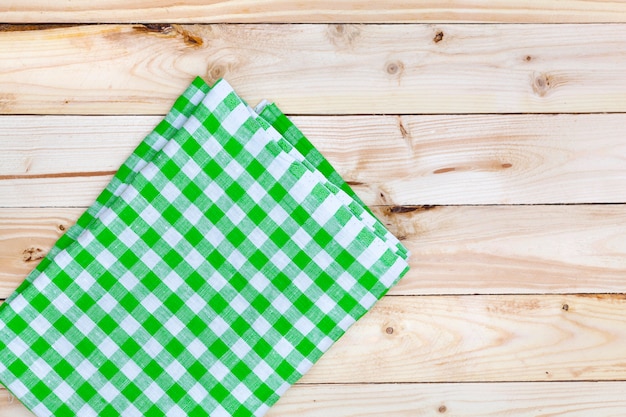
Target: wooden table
(490, 136)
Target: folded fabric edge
(354, 205)
(330, 171)
(275, 117)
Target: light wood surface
(569, 399)
(390, 160)
(319, 69)
(496, 152)
(525, 249)
(482, 338)
(469, 400)
(512, 11)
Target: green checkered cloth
(223, 259)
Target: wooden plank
(25, 238)
(11, 406)
(43, 145)
(514, 249)
(497, 338)
(75, 191)
(482, 339)
(392, 160)
(455, 250)
(320, 69)
(604, 399)
(571, 399)
(103, 11)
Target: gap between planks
(323, 69)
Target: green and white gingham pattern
(183, 107)
(217, 267)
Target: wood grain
(515, 249)
(11, 406)
(390, 160)
(482, 339)
(25, 238)
(455, 250)
(571, 399)
(102, 11)
(467, 400)
(319, 69)
(497, 338)
(36, 146)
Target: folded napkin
(223, 259)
